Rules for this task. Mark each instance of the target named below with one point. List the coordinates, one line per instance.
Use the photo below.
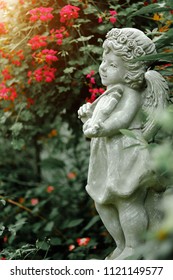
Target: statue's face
(112, 69)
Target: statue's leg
(134, 222)
(110, 219)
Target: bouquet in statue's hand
(92, 130)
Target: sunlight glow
(6, 6)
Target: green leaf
(51, 163)
(69, 70)
(42, 245)
(16, 128)
(94, 220)
(165, 40)
(90, 10)
(18, 144)
(55, 241)
(83, 38)
(2, 228)
(160, 56)
(169, 3)
(152, 8)
(74, 223)
(5, 116)
(128, 133)
(49, 226)
(3, 202)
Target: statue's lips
(103, 76)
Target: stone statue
(121, 179)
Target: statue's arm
(84, 112)
(120, 118)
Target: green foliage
(44, 208)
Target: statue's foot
(127, 253)
(114, 254)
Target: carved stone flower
(131, 44)
(114, 33)
(122, 39)
(138, 51)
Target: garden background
(50, 52)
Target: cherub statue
(121, 179)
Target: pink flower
(50, 189)
(100, 20)
(41, 13)
(71, 247)
(58, 35)
(6, 74)
(68, 13)
(7, 93)
(34, 201)
(113, 12)
(112, 20)
(5, 239)
(92, 80)
(71, 175)
(3, 29)
(83, 241)
(47, 55)
(42, 74)
(92, 73)
(37, 42)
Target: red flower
(68, 13)
(5, 239)
(71, 247)
(50, 189)
(7, 93)
(34, 201)
(83, 241)
(58, 35)
(92, 73)
(3, 29)
(46, 55)
(100, 20)
(43, 74)
(30, 102)
(6, 74)
(37, 42)
(113, 19)
(71, 175)
(42, 13)
(113, 12)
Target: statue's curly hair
(129, 44)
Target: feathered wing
(155, 101)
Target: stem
(58, 232)
(22, 40)
(37, 159)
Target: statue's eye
(113, 65)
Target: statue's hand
(84, 112)
(93, 131)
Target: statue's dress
(119, 164)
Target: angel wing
(155, 101)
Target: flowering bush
(50, 53)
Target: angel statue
(121, 179)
